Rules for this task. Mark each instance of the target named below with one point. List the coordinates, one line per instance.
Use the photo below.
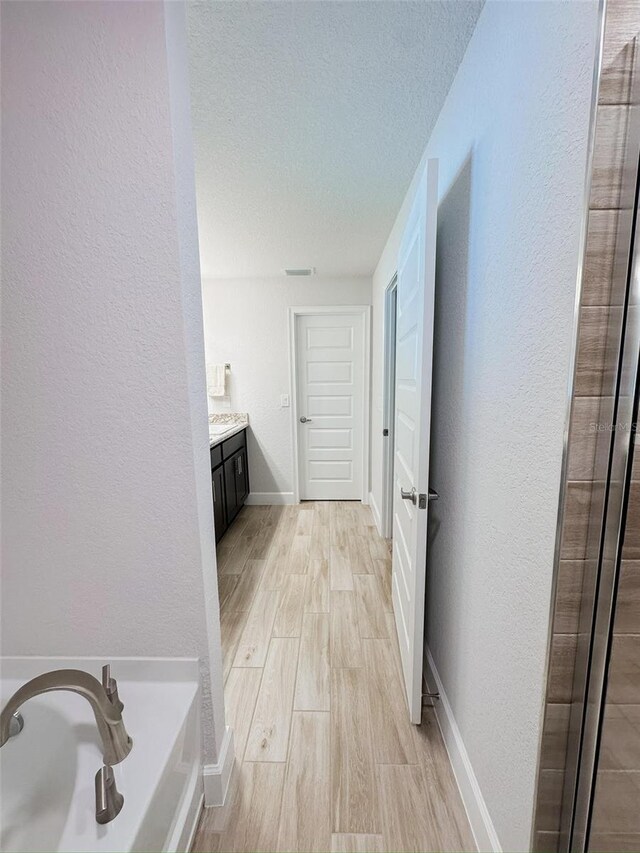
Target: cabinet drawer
(233, 444)
(216, 456)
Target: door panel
(414, 353)
(327, 438)
(242, 477)
(330, 470)
(329, 406)
(330, 369)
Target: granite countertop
(223, 426)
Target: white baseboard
(482, 826)
(270, 498)
(375, 512)
(217, 776)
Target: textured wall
(512, 141)
(246, 324)
(106, 522)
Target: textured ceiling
(309, 120)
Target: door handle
(409, 496)
(433, 495)
(304, 420)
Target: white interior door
(330, 371)
(414, 356)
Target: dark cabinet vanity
(229, 480)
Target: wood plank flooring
(326, 759)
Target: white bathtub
(47, 795)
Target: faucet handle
(111, 687)
(16, 724)
(109, 800)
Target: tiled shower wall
(616, 814)
(599, 331)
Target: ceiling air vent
(302, 271)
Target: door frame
(301, 310)
(389, 405)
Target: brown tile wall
(616, 813)
(599, 328)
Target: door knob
(304, 420)
(409, 496)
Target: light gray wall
(106, 511)
(246, 324)
(512, 142)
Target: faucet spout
(116, 743)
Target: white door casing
(330, 348)
(414, 356)
(389, 408)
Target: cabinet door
(219, 513)
(230, 488)
(242, 477)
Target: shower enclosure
(588, 794)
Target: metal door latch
(424, 499)
(420, 499)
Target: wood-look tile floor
(326, 759)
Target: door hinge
(385, 432)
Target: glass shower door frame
(597, 638)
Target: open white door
(414, 356)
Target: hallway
(326, 758)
